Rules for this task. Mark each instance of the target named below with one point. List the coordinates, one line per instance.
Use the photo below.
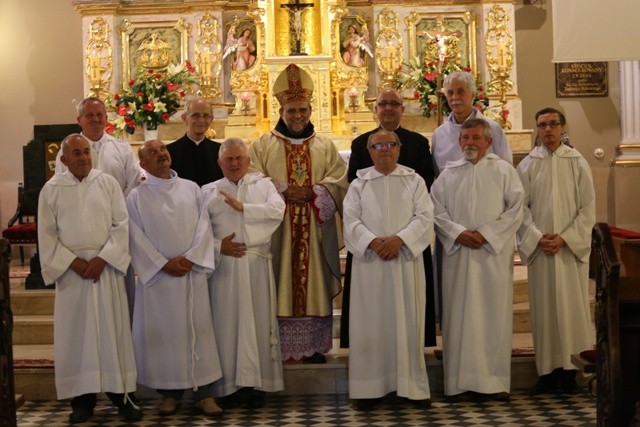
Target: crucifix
(296, 8)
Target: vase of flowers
(423, 77)
(152, 98)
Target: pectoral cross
(296, 8)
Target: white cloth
(173, 333)
(92, 340)
(445, 145)
(559, 198)
(477, 284)
(386, 322)
(112, 156)
(242, 290)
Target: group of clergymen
(223, 262)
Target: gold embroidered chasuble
(306, 262)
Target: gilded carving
(208, 52)
(99, 58)
(388, 48)
(499, 48)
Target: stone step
(33, 329)
(32, 302)
(300, 379)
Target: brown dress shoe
(208, 406)
(169, 406)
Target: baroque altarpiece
(350, 48)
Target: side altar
(350, 48)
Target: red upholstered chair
(22, 225)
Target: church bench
(617, 334)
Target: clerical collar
(284, 130)
(194, 141)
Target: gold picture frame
(459, 27)
(152, 44)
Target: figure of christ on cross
(296, 8)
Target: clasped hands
(387, 248)
(471, 239)
(298, 194)
(551, 243)
(91, 269)
(178, 266)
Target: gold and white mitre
(293, 84)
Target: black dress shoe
(420, 404)
(230, 401)
(255, 399)
(129, 412)
(567, 383)
(316, 358)
(467, 396)
(546, 383)
(491, 397)
(80, 415)
(366, 405)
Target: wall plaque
(581, 79)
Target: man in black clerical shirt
(414, 153)
(194, 156)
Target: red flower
(131, 82)
(150, 71)
(172, 86)
(158, 75)
(122, 110)
(431, 76)
(149, 106)
(130, 123)
(430, 64)
(481, 88)
(182, 94)
(479, 106)
(116, 96)
(416, 95)
(140, 94)
(467, 69)
(190, 67)
(481, 96)
(504, 114)
(110, 127)
(432, 106)
(165, 116)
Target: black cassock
(197, 163)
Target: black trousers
(89, 400)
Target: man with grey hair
(478, 209)
(460, 91)
(245, 209)
(194, 156)
(388, 223)
(108, 154)
(83, 233)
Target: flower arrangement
(152, 98)
(423, 76)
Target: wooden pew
(7, 388)
(617, 334)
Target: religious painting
(355, 43)
(152, 45)
(240, 45)
(438, 38)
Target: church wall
(43, 41)
(592, 122)
(41, 73)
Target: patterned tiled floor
(336, 410)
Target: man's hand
(94, 269)
(297, 194)
(178, 266)
(230, 248)
(551, 243)
(387, 248)
(471, 239)
(234, 203)
(79, 266)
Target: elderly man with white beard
(478, 209)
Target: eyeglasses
(552, 124)
(393, 104)
(197, 116)
(379, 146)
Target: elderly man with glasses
(555, 243)
(388, 223)
(194, 156)
(414, 153)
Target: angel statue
(353, 43)
(243, 46)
